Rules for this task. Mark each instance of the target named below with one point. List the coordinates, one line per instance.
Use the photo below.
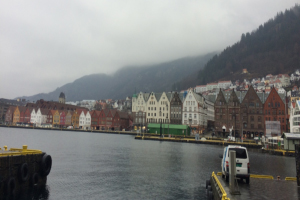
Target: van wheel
(248, 180)
(227, 178)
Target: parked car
(242, 163)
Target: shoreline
(184, 139)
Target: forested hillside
(274, 47)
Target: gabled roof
(157, 96)
(123, 115)
(170, 96)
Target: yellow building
(75, 119)
(16, 117)
(56, 118)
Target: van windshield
(240, 153)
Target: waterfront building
(40, 116)
(62, 120)
(75, 119)
(102, 119)
(95, 114)
(152, 103)
(5, 104)
(109, 119)
(176, 108)
(275, 109)
(56, 119)
(27, 115)
(194, 111)
(139, 110)
(87, 120)
(69, 118)
(33, 117)
(163, 108)
(9, 115)
(17, 114)
(252, 114)
(295, 117)
(124, 121)
(50, 115)
(221, 114)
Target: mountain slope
(125, 81)
(273, 47)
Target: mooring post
(233, 187)
(297, 158)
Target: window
(252, 125)
(259, 126)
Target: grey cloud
(45, 44)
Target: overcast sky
(46, 44)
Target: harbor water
(110, 166)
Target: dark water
(106, 166)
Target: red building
(22, 110)
(27, 115)
(95, 122)
(62, 120)
(275, 110)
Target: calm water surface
(107, 166)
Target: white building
(200, 88)
(197, 111)
(38, 116)
(211, 86)
(281, 91)
(224, 84)
(295, 117)
(284, 79)
(85, 120)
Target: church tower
(62, 98)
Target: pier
(22, 169)
(218, 189)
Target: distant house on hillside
(224, 84)
(211, 86)
(245, 71)
(200, 88)
(269, 76)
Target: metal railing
(224, 194)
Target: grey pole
(233, 186)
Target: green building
(172, 129)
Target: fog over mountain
(127, 80)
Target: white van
(242, 163)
